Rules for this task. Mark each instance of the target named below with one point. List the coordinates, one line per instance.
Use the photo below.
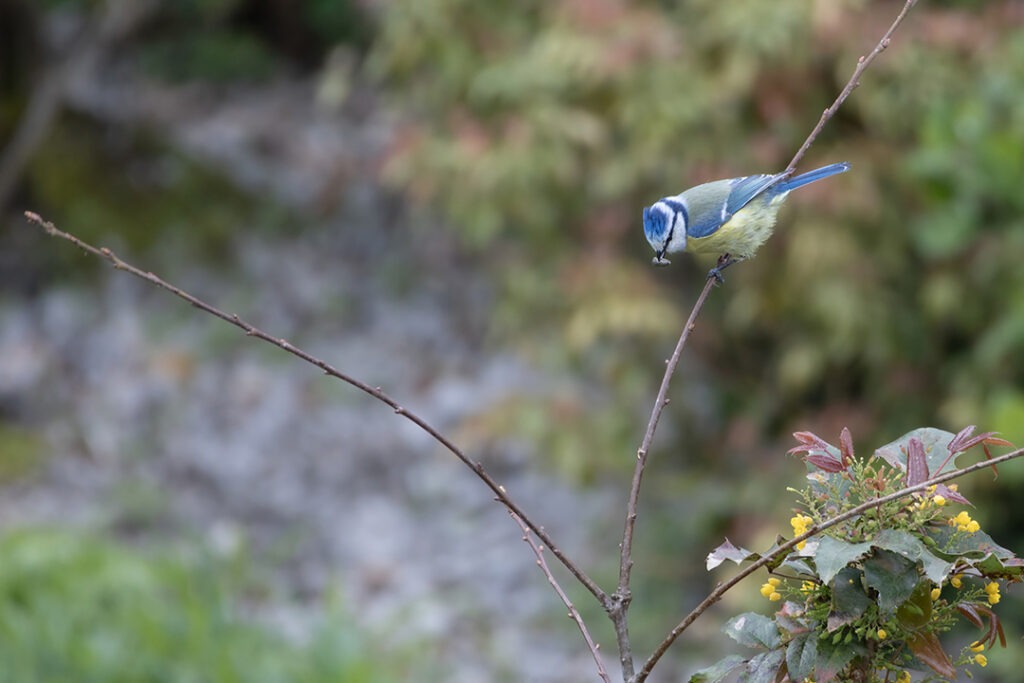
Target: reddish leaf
(928, 649)
(917, 463)
(963, 441)
(950, 494)
(810, 442)
(846, 445)
(956, 443)
(972, 611)
(825, 462)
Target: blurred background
(442, 197)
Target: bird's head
(665, 230)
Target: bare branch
(721, 589)
(574, 613)
(622, 595)
(500, 494)
(862, 64)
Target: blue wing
(714, 204)
(745, 189)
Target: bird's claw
(724, 261)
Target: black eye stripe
(678, 208)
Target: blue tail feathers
(811, 176)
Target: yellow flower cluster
(801, 523)
(932, 498)
(768, 589)
(992, 589)
(963, 522)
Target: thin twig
(574, 613)
(721, 589)
(862, 64)
(622, 595)
(499, 491)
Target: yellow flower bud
(977, 647)
(936, 592)
(981, 660)
(882, 635)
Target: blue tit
(727, 217)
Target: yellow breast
(744, 233)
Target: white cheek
(678, 242)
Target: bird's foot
(724, 261)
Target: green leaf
(893, 576)
(719, 670)
(753, 630)
(801, 656)
(934, 442)
(916, 611)
(991, 566)
(832, 555)
(849, 599)
(833, 658)
(764, 668)
(911, 547)
(952, 544)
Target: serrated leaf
(991, 566)
(892, 575)
(802, 656)
(763, 668)
(849, 599)
(911, 547)
(727, 551)
(927, 648)
(832, 555)
(753, 630)
(951, 544)
(933, 441)
(799, 565)
(719, 670)
(833, 658)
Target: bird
(731, 217)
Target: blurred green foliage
(76, 608)
(539, 129)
